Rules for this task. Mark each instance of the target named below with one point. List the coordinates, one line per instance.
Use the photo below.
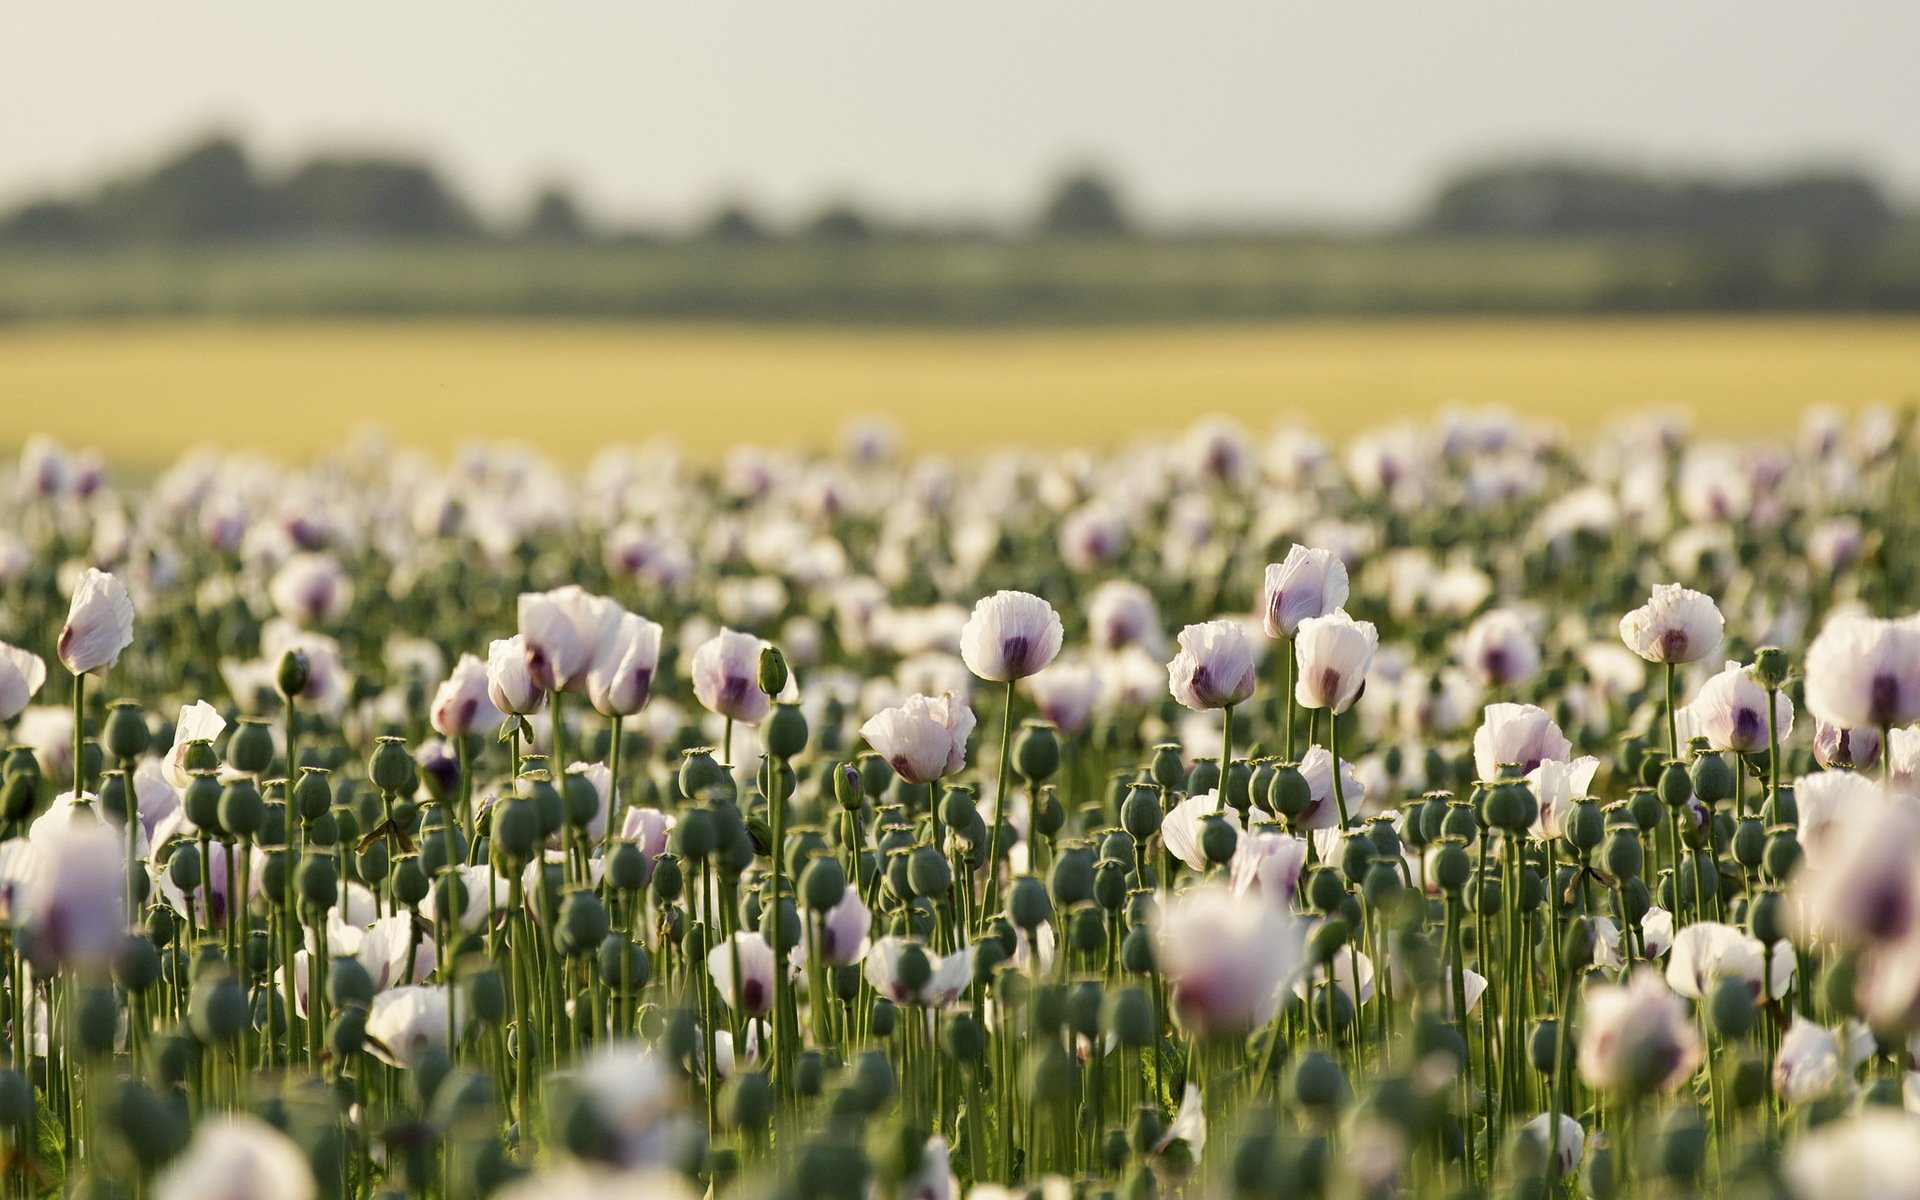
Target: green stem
(999, 801)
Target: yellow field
(142, 393)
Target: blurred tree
(840, 222)
(373, 197)
(1084, 204)
(207, 192)
(733, 221)
(555, 217)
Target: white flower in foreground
(1872, 1155)
(946, 978)
(1808, 1064)
(1180, 828)
(198, 722)
(1309, 583)
(1523, 735)
(1214, 668)
(22, 672)
(405, 1022)
(621, 677)
(726, 676)
(924, 738)
(510, 688)
(1010, 635)
(1864, 672)
(1559, 786)
(1570, 1143)
(638, 1101)
(1333, 654)
(577, 1181)
(99, 623)
(1678, 625)
(753, 994)
(565, 631)
(1226, 959)
(1731, 712)
(1707, 951)
(461, 705)
(1636, 1037)
(1268, 864)
(237, 1158)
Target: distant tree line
(213, 192)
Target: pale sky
(1277, 109)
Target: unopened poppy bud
(126, 735)
(773, 673)
(292, 674)
(846, 786)
(626, 867)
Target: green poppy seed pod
(779, 923)
(202, 800)
(1146, 1130)
(1783, 808)
(1318, 1083)
(1325, 890)
(1087, 931)
(126, 736)
(250, 749)
(1543, 1045)
(1110, 884)
(1576, 945)
(1328, 938)
(137, 965)
(1675, 787)
(1838, 984)
(1289, 793)
(1462, 821)
(95, 1020)
(626, 867)
(217, 1009)
(1217, 838)
(846, 786)
(1730, 1008)
(1382, 888)
(17, 795)
(872, 1073)
(1126, 1014)
(292, 674)
(1770, 666)
(1510, 806)
(1205, 777)
(1749, 842)
(928, 872)
(668, 880)
(1586, 826)
(1433, 816)
(16, 1099)
(700, 774)
(1767, 917)
(897, 881)
(1452, 865)
(1049, 815)
(487, 995)
(1260, 781)
(390, 767)
(410, 883)
(313, 794)
(241, 810)
(963, 1038)
(316, 881)
(348, 983)
(786, 731)
(347, 1032)
(773, 673)
(1680, 1146)
(516, 829)
(1027, 902)
(1621, 855)
(875, 775)
(1052, 1076)
(1083, 1008)
(823, 884)
(1140, 812)
(1356, 857)
(1136, 951)
(747, 1100)
(373, 863)
(112, 796)
(1167, 769)
(1711, 779)
(1071, 878)
(1643, 805)
(1782, 853)
(183, 867)
(549, 806)
(1488, 894)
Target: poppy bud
(1770, 666)
(1543, 1046)
(667, 879)
(772, 674)
(293, 673)
(847, 788)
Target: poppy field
(1463, 807)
